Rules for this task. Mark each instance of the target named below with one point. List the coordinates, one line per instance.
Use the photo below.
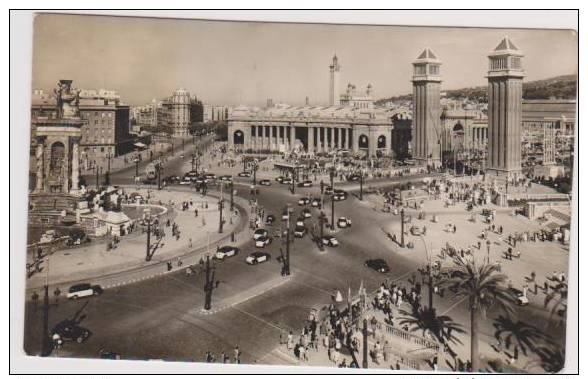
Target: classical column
(348, 140)
(355, 148)
(331, 138)
(75, 166)
(292, 136)
(262, 136)
(271, 135)
(310, 148)
(320, 137)
(40, 163)
(283, 135)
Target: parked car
(260, 233)
(299, 231)
(185, 181)
(316, 202)
(339, 195)
(378, 265)
(263, 241)
(330, 241)
(67, 330)
(210, 175)
(415, 230)
(269, 219)
(244, 174)
(300, 221)
(306, 213)
(286, 181)
(521, 298)
(353, 178)
(226, 178)
(304, 201)
(83, 290)
(226, 251)
(305, 183)
(265, 182)
(343, 222)
(279, 179)
(257, 257)
(328, 190)
(285, 215)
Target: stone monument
(57, 161)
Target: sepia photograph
(300, 194)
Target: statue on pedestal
(68, 100)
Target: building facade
(315, 130)
(106, 128)
(505, 95)
(212, 113)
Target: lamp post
(148, 221)
(429, 273)
(209, 285)
(364, 330)
(46, 341)
(254, 167)
(361, 185)
(232, 194)
(159, 169)
(322, 218)
(286, 267)
(488, 250)
(107, 177)
(402, 227)
(332, 212)
(220, 209)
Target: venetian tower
(426, 84)
(334, 72)
(505, 98)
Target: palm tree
(559, 297)
(552, 357)
(426, 319)
(483, 287)
(519, 335)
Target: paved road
(161, 318)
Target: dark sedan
(378, 265)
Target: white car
(186, 181)
(226, 251)
(306, 183)
(257, 257)
(263, 241)
(285, 216)
(299, 231)
(300, 222)
(306, 213)
(303, 201)
(286, 181)
(316, 202)
(244, 174)
(265, 182)
(343, 222)
(330, 241)
(83, 290)
(260, 233)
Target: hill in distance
(558, 87)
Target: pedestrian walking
(237, 355)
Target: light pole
(209, 285)
(286, 266)
(107, 177)
(254, 167)
(46, 342)
(232, 193)
(159, 169)
(429, 273)
(220, 208)
(332, 212)
(361, 185)
(364, 331)
(402, 227)
(488, 250)
(147, 219)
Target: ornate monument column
(40, 158)
(505, 97)
(310, 139)
(426, 104)
(75, 166)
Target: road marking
(259, 319)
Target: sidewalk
(94, 261)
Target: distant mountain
(559, 87)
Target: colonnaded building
(351, 122)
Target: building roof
(312, 112)
(427, 53)
(505, 44)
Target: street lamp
(488, 243)
(209, 285)
(332, 212)
(402, 227)
(254, 168)
(286, 259)
(232, 193)
(361, 184)
(159, 169)
(148, 221)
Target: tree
(519, 335)
(557, 299)
(553, 357)
(483, 287)
(426, 319)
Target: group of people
(209, 357)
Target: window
(420, 70)
(434, 70)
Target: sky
(233, 63)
